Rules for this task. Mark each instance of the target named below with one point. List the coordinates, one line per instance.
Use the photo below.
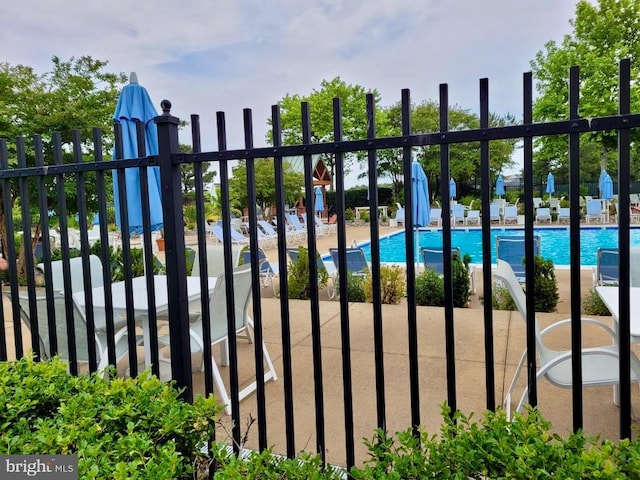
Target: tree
(354, 117)
(465, 157)
(265, 184)
(603, 34)
(77, 94)
(187, 175)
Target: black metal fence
(170, 160)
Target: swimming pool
(554, 243)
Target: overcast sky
(226, 55)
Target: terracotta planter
(160, 242)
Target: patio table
(140, 303)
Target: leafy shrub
(119, 428)
(592, 304)
(393, 284)
(545, 287)
(299, 277)
(495, 447)
(349, 214)
(502, 299)
(355, 288)
(430, 285)
(365, 217)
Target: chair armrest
(586, 320)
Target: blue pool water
(554, 243)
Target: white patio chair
(564, 214)
(457, 214)
(494, 213)
(543, 215)
(236, 237)
(267, 271)
(594, 211)
(510, 214)
(606, 271)
(436, 217)
(600, 365)
(473, 217)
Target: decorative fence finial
(166, 107)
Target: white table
(140, 302)
(609, 296)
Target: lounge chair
(473, 217)
(267, 271)
(436, 217)
(511, 250)
(564, 214)
(295, 225)
(543, 215)
(536, 202)
(325, 228)
(432, 258)
(236, 237)
(268, 229)
(600, 365)
(220, 334)
(606, 271)
(356, 261)
(494, 213)
(399, 217)
(510, 214)
(457, 214)
(594, 211)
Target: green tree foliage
(77, 94)
(188, 179)
(354, 115)
(465, 158)
(265, 184)
(603, 33)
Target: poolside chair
(606, 271)
(236, 237)
(325, 228)
(511, 250)
(296, 225)
(494, 213)
(510, 214)
(554, 204)
(220, 334)
(76, 269)
(600, 365)
(399, 217)
(292, 253)
(436, 217)
(564, 214)
(457, 214)
(267, 271)
(432, 258)
(594, 211)
(536, 202)
(268, 229)
(356, 261)
(473, 217)
(543, 215)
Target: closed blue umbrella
(606, 188)
(452, 188)
(319, 204)
(134, 104)
(421, 207)
(500, 186)
(551, 184)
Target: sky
(227, 55)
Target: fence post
(174, 250)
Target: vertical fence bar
(412, 324)
(284, 284)
(10, 256)
(314, 299)
(485, 174)
(528, 240)
(446, 250)
(345, 332)
(624, 173)
(178, 308)
(574, 242)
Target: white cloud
(232, 54)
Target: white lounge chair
(600, 365)
(473, 217)
(510, 214)
(494, 213)
(543, 215)
(564, 214)
(436, 217)
(457, 214)
(236, 237)
(594, 211)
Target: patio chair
(432, 258)
(510, 214)
(76, 269)
(356, 261)
(296, 226)
(473, 217)
(536, 202)
(436, 217)
(327, 228)
(543, 215)
(606, 271)
(564, 214)
(511, 250)
(268, 229)
(594, 211)
(457, 214)
(494, 213)
(600, 365)
(267, 271)
(220, 334)
(399, 217)
(236, 237)
(292, 253)
(554, 204)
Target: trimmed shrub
(592, 304)
(430, 285)
(502, 299)
(299, 284)
(393, 284)
(545, 287)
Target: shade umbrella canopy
(452, 188)
(500, 186)
(420, 193)
(551, 183)
(606, 187)
(134, 104)
(319, 203)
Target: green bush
(299, 284)
(364, 216)
(502, 299)
(119, 428)
(496, 447)
(430, 285)
(592, 304)
(545, 287)
(393, 284)
(355, 288)
(349, 215)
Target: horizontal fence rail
(68, 306)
